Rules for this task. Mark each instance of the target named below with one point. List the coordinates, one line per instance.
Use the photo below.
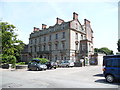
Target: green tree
(42, 60)
(104, 50)
(118, 44)
(11, 46)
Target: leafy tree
(104, 50)
(118, 44)
(41, 60)
(10, 50)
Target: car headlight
(42, 66)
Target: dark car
(36, 65)
(51, 65)
(111, 68)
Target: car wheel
(110, 78)
(67, 66)
(37, 69)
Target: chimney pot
(86, 21)
(59, 21)
(75, 16)
(44, 26)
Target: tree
(41, 60)
(10, 50)
(104, 50)
(118, 44)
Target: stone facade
(63, 41)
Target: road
(76, 77)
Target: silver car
(66, 63)
(36, 66)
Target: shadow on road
(99, 75)
(104, 81)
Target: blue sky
(102, 14)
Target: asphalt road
(76, 77)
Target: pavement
(76, 77)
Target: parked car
(66, 63)
(36, 65)
(51, 65)
(111, 68)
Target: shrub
(20, 63)
(42, 60)
(12, 60)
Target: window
(50, 38)
(44, 38)
(76, 26)
(63, 45)
(64, 58)
(56, 46)
(56, 36)
(61, 57)
(76, 46)
(31, 49)
(109, 63)
(50, 47)
(31, 41)
(76, 36)
(116, 62)
(35, 48)
(39, 48)
(35, 40)
(63, 35)
(39, 40)
(55, 57)
(81, 37)
(44, 47)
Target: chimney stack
(44, 26)
(86, 21)
(59, 21)
(75, 16)
(36, 29)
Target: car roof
(112, 56)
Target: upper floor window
(81, 37)
(39, 40)
(76, 26)
(31, 49)
(44, 38)
(44, 47)
(56, 46)
(31, 41)
(63, 45)
(35, 48)
(63, 34)
(55, 57)
(76, 36)
(76, 46)
(40, 48)
(35, 40)
(50, 38)
(50, 47)
(56, 36)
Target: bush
(20, 63)
(42, 60)
(12, 60)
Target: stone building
(64, 41)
